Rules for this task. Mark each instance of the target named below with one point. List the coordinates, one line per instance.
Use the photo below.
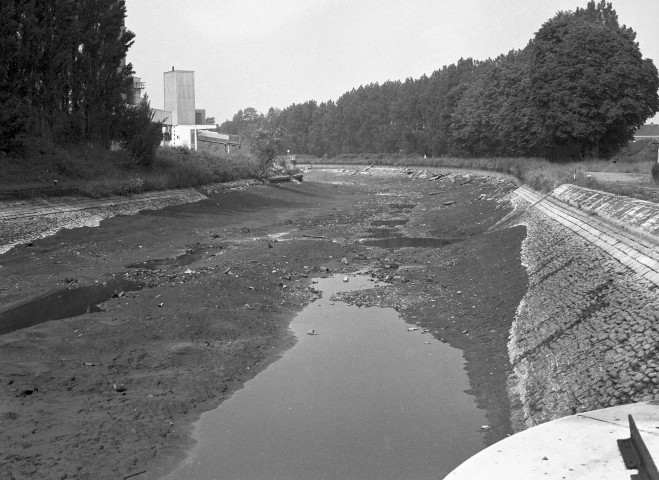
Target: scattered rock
(27, 392)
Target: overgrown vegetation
(98, 172)
(265, 145)
(135, 131)
(540, 174)
(188, 168)
(64, 81)
(578, 90)
(62, 72)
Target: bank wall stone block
(639, 215)
(586, 335)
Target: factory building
(179, 96)
(134, 94)
(183, 124)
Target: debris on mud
(216, 310)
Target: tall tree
(15, 108)
(100, 76)
(589, 83)
(579, 88)
(62, 72)
(494, 116)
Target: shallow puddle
(402, 242)
(362, 398)
(63, 303)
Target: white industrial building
(183, 124)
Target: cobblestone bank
(27, 220)
(586, 335)
(631, 213)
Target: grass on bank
(538, 173)
(98, 173)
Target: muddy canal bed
(114, 389)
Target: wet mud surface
(113, 392)
(64, 303)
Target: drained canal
(365, 396)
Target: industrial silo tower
(179, 96)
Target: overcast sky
(263, 53)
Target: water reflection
(363, 399)
(63, 303)
(402, 242)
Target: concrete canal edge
(584, 345)
(582, 446)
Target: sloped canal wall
(22, 221)
(586, 334)
(27, 220)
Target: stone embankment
(586, 335)
(22, 221)
(27, 220)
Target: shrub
(265, 146)
(284, 166)
(14, 125)
(135, 131)
(188, 168)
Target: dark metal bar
(636, 456)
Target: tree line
(63, 75)
(579, 89)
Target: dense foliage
(133, 128)
(62, 72)
(590, 85)
(265, 145)
(579, 89)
